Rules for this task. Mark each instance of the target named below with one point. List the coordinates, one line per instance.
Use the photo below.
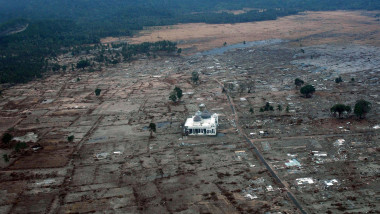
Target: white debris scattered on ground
(250, 196)
(301, 181)
(30, 137)
(319, 154)
(45, 182)
(293, 162)
(331, 182)
(339, 142)
(377, 127)
(101, 156)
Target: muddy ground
(113, 166)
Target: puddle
(94, 140)
(220, 134)
(221, 50)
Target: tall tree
(340, 108)
(307, 90)
(362, 107)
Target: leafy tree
(287, 109)
(298, 82)
(279, 107)
(267, 107)
(225, 43)
(70, 138)
(362, 107)
(179, 50)
(56, 67)
(152, 128)
(178, 92)
(83, 64)
(6, 158)
(6, 138)
(195, 77)
(307, 90)
(338, 80)
(340, 108)
(173, 96)
(20, 145)
(97, 91)
(251, 110)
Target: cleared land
(112, 166)
(310, 28)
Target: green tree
(20, 145)
(279, 107)
(97, 91)
(6, 138)
(179, 50)
(287, 109)
(56, 67)
(83, 64)
(6, 158)
(173, 97)
(225, 43)
(178, 92)
(307, 90)
(251, 110)
(340, 108)
(298, 82)
(338, 80)
(362, 107)
(152, 128)
(195, 77)
(70, 138)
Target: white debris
(339, 142)
(117, 152)
(243, 99)
(45, 182)
(101, 156)
(301, 181)
(293, 162)
(30, 137)
(377, 127)
(331, 182)
(319, 154)
(269, 188)
(251, 197)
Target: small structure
(202, 123)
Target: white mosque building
(202, 123)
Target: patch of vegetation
(20, 145)
(362, 107)
(267, 107)
(307, 90)
(6, 158)
(70, 138)
(97, 91)
(338, 79)
(6, 138)
(340, 108)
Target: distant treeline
(54, 26)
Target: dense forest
(32, 31)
